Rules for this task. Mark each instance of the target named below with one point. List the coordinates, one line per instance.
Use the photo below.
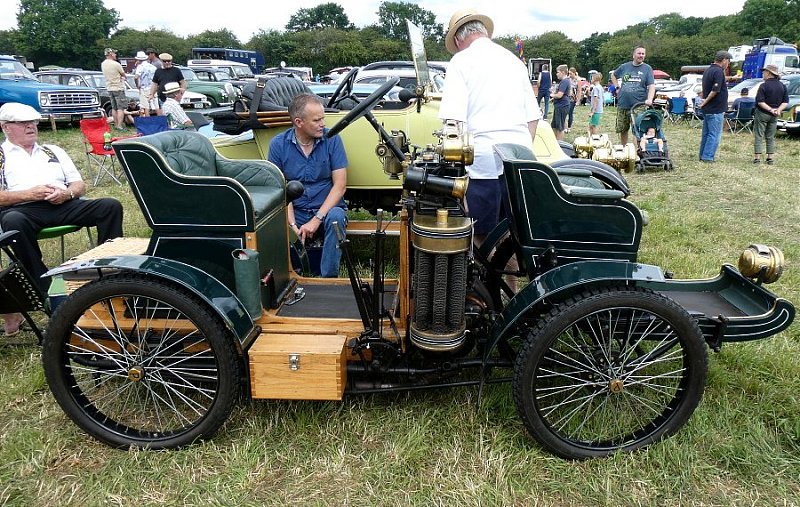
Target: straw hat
(171, 88)
(140, 55)
(459, 19)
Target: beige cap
(14, 111)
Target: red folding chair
(101, 161)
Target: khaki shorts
(623, 120)
(119, 101)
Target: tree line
(73, 33)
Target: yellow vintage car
(413, 117)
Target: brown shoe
(13, 323)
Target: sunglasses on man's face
(166, 61)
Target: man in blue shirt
(545, 82)
(744, 99)
(561, 102)
(635, 83)
(714, 105)
(304, 154)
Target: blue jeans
(571, 114)
(711, 136)
(331, 255)
(546, 98)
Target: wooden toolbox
(298, 366)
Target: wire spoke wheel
(135, 362)
(608, 371)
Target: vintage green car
(159, 337)
(219, 94)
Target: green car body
(219, 94)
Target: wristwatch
(319, 216)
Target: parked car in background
(90, 79)
(55, 102)
(219, 94)
(235, 70)
(665, 83)
(362, 91)
(220, 76)
(408, 78)
(790, 121)
(691, 90)
(735, 92)
(792, 82)
(440, 67)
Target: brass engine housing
(441, 247)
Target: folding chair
(146, 125)
(678, 110)
(59, 231)
(18, 292)
(695, 118)
(102, 160)
(743, 119)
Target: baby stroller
(653, 154)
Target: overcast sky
(578, 19)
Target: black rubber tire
(583, 391)
(126, 373)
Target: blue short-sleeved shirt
(313, 172)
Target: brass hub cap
(616, 385)
(136, 374)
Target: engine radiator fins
(441, 244)
(424, 289)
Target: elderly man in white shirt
(40, 187)
(487, 87)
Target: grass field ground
(741, 447)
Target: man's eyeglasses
(35, 123)
(166, 61)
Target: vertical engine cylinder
(441, 247)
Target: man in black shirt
(164, 75)
(771, 99)
(714, 105)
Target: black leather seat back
(278, 93)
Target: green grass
(741, 447)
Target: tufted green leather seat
(578, 220)
(201, 205)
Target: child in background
(650, 141)
(596, 104)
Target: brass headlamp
(762, 262)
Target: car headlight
(762, 262)
(44, 99)
(228, 89)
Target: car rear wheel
(609, 370)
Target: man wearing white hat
(178, 119)
(498, 106)
(40, 187)
(143, 75)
